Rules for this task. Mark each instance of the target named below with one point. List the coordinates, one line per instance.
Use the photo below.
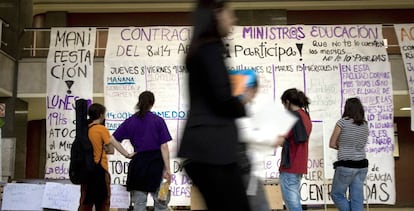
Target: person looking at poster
(294, 158)
(210, 139)
(350, 137)
(149, 136)
(97, 191)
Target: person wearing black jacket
(210, 138)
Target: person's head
(212, 19)
(293, 99)
(354, 110)
(96, 111)
(145, 102)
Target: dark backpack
(82, 164)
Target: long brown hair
(145, 102)
(205, 25)
(354, 110)
(296, 97)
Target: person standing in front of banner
(210, 139)
(98, 191)
(149, 136)
(294, 158)
(251, 147)
(350, 137)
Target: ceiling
(41, 6)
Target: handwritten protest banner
(405, 35)
(69, 76)
(139, 59)
(330, 63)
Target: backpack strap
(100, 159)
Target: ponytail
(296, 97)
(145, 102)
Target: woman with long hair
(210, 139)
(150, 164)
(350, 137)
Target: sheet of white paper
(119, 197)
(22, 196)
(270, 121)
(266, 121)
(61, 196)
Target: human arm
(109, 149)
(165, 152)
(106, 137)
(334, 141)
(120, 148)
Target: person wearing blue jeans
(150, 162)
(354, 179)
(294, 158)
(290, 187)
(350, 137)
(140, 201)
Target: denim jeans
(290, 186)
(352, 178)
(139, 198)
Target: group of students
(149, 164)
(212, 143)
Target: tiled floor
(385, 208)
(373, 209)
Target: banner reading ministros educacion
(69, 74)
(329, 62)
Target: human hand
(167, 175)
(279, 141)
(130, 155)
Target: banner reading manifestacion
(69, 76)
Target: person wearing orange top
(97, 192)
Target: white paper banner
(69, 76)
(405, 35)
(329, 62)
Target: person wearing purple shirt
(150, 163)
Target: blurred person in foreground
(294, 158)
(350, 137)
(252, 146)
(210, 139)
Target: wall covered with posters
(330, 63)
